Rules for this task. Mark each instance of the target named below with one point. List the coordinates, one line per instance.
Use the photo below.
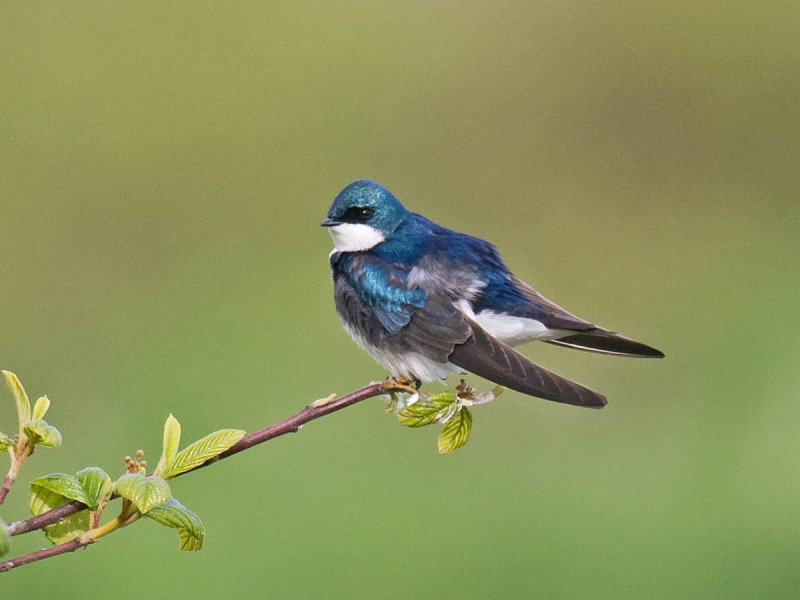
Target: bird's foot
(322, 401)
(403, 384)
(409, 381)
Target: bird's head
(363, 215)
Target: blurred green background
(164, 170)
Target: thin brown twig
(70, 546)
(23, 451)
(47, 518)
(290, 425)
(8, 481)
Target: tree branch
(23, 451)
(290, 425)
(8, 481)
(70, 546)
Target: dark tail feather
(489, 358)
(606, 342)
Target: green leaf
(174, 514)
(68, 528)
(97, 485)
(456, 431)
(429, 409)
(41, 407)
(144, 492)
(200, 451)
(5, 539)
(5, 441)
(60, 484)
(172, 438)
(39, 432)
(89, 487)
(54, 490)
(20, 397)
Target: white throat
(355, 237)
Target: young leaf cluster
(33, 429)
(151, 495)
(446, 408)
(450, 408)
(90, 486)
(173, 463)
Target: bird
(427, 302)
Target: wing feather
(491, 359)
(606, 342)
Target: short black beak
(329, 222)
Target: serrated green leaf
(54, 490)
(5, 441)
(61, 484)
(97, 485)
(435, 408)
(20, 397)
(144, 492)
(39, 432)
(197, 453)
(5, 539)
(40, 408)
(172, 438)
(174, 514)
(456, 431)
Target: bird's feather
(607, 342)
(546, 311)
(383, 288)
(493, 360)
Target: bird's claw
(405, 384)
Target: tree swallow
(425, 301)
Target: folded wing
(491, 359)
(586, 336)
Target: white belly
(409, 364)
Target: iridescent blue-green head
(363, 215)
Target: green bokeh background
(164, 170)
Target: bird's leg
(409, 381)
(405, 384)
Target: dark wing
(607, 342)
(548, 312)
(493, 360)
(587, 336)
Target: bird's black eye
(358, 214)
